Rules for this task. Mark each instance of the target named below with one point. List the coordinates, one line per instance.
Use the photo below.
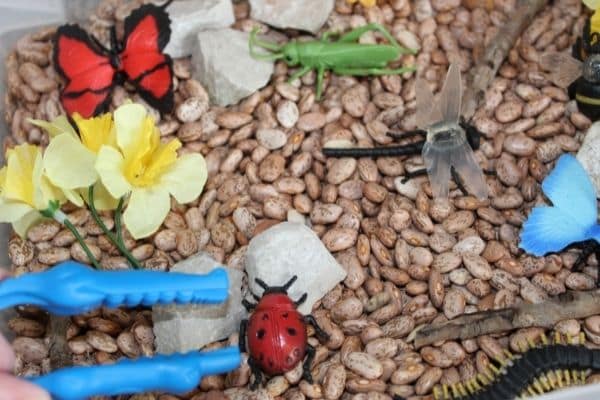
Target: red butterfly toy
(91, 70)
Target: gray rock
(182, 328)
(588, 154)
(222, 63)
(289, 249)
(188, 17)
(306, 15)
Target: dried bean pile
(410, 260)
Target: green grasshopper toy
(344, 57)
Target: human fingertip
(14, 388)
(30, 391)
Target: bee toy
(579, 72)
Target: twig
(571, 305)
(480, 76)
(60, 356)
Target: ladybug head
(275, 289)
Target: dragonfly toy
(71, 288)
(447, 150)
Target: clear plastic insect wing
(451, 95)
(562, 68)
(447, 146)
(428, 112)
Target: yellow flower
(592, 4)
(24, 189)
(365, 3)
(69, 159)
(55, 127)
(148, 170)
(96, 131)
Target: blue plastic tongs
(71, 288)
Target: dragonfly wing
(427, 111)
(437, 161)
(465, 164)
(451, 95)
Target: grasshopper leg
(299, 74)
(372, 71)
(354, 34)
(320, 73)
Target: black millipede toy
(538, 370)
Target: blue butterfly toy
(573, 218)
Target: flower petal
(109, 166)
(27, 222)
(11, 211)
(186, 178)
(21, 161)
(146, 211)
(44, 190)
(73, 196)
(102, 198)
(55, 127)
(96, 131)
(128, 122)
(69, 164)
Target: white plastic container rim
(26, 16)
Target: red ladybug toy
(276, 333)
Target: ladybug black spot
(292, 331)
(284, 315)
(261, 333)
(265, 317)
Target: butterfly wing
(548, 229)
(147, 32)
(88, 73)
(570, 189)
(573, 213)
